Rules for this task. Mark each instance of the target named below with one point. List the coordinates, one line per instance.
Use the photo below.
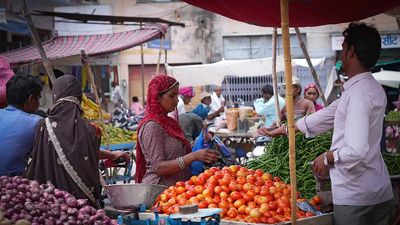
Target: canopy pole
(159, 54)
(289, 105)
(274, 78)
(86, 66)
(165, 60)
(142, 68)
(38, 43)
(313, 72)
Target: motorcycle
(125, 118)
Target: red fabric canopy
(65, 46)
(302, 13)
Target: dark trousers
(379, 214)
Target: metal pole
(142, 67)
(36, 40)
(165, 60)
(313, 72)
(159, 54)
(274, 78)
(289, 105)
(85, 64)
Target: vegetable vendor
(361, 188)
(302, 106)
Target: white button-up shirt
(359, 175)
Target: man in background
(18, 123)
(116, 95)
(217, 100)
(265, 106)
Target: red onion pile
(39, 204)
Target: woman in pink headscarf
(185, 95)
(5, 74)
(163, 153)
(311, 93)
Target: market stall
(275, 14)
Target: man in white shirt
(361, 188)
(116, 95)
(217, 100)
(217, 105)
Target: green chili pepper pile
(392, 163)
(275, 159)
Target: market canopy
(214, 73)
(388, 78)
(65, 46)
(302, 13)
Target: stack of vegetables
(392, 162)
(91, 110)
(275, 159)
(118, 135)
(393, 116)
(23, 199)
(243, 194)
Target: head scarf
(186, 91)
(5, 74)
(155, 112)
(75, 140)
(312, 85)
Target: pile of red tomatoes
(243, 194)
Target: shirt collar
(13, 108)
(355, 79)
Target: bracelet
(285, 128)
(181, 163)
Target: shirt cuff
(302, 126)
(335, 157)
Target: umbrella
(388, 78)
(302, 13)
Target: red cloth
(5, 74)
(155, 112)
(96, 44)
(186, 91)
(301, 13)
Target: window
(258, 46)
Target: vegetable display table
(324, 219)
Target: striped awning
(65, 46)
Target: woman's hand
(118, 154)
(205, 155)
